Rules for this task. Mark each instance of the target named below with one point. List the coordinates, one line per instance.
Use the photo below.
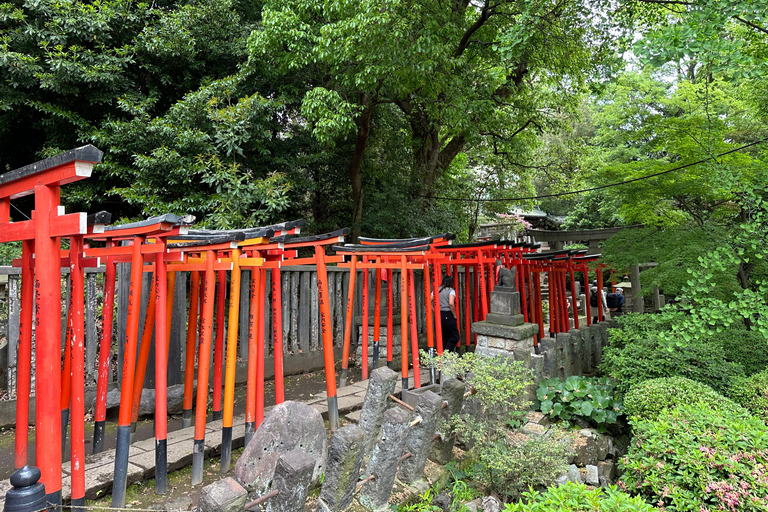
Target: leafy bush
(752, 393)
(633, 357)
(747, 348)
(649, 398)
(505, 463)
(593, 399)
(695, 459)
(571, 497)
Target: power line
(560, 194)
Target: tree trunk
(355, 178)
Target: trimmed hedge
(649, 398)
(752, 393)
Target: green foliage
(422, 504)
(752, 393)
(9, 251)
(592, 399)
(571, 497)
(648, 399)
(695, 459)
(503, 463)
(641, 352)
(747, 348)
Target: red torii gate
(40, 236)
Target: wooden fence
(301, 316)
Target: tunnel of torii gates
(166, 245)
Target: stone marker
(342, 472)
(226, 495)
(576, 355)
(564, 347)
(420, 436)
(293, 474)
(592, 478)
(452, 392)
(381, 384)
(596, 338)
(547, 349)
(374, 494)
(288, 426)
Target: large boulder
(289, 426)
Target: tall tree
(460, 72)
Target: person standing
(594, 296)
(448, 322)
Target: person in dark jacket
(448, 315)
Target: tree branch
(749, 23)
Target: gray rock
(584, 448)
(226, 495)
(491, 504)
(343, 467)
(293, 474)
(381, 384)
(592, 477)
(534, 429)
(603, 445)
(452, 391)
(606, 469)
(574, 475)
(419, 440)
(288, 426)
(147, 404)
(374, 494)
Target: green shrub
(572, 497)
(644, 356)
(747, 348)
(649, 398)
(593, 399)
(504, 464)
(695, 459)
(752, 393)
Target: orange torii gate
(147, 243)
(41, 236)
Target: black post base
(250, 430)
(198, 451)
(161, 466)
(226, 449)
(99, 428)
(121, 466)
(186, 418)
(217, 415)
(54, 500)
(78, 504)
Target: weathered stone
(534, 429)
(226, 495)
(574, 475)
(564, 345)
(596, 338)
(293, 474)
(510, 320)
(592, 477)
(606, 469)
(374, 494)
(547, 349)
(587, 365)
(584, 448)
(536, 366)
(414, 395)
(603, 445)
(452, 391)
(576, 356)
(560, 357)
(343, 467)
(519, 332)
(147, 404)
(420, 436)
(537, 417)
(505, 303)
(288, 426)
(381, 384)
(490, 504)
